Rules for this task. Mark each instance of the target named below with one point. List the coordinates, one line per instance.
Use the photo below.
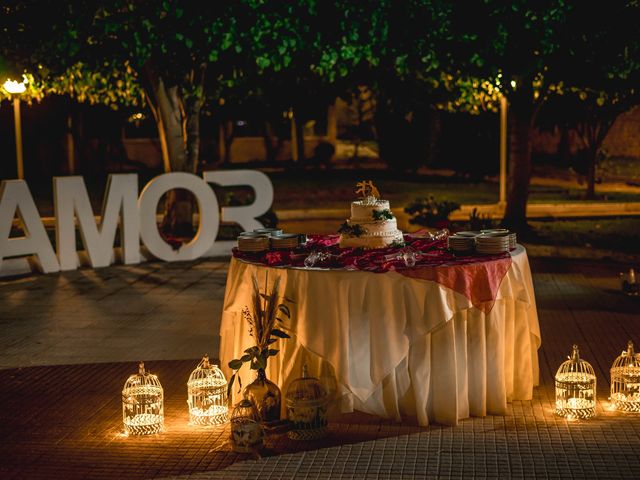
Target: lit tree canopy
(415, 55)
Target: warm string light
(207, 395)
(575, 388)
(625, 381)
(142, 404)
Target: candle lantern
(625, 381)
(307, 402)
(207, 395)
(142, 404)
(246, 431)
(575, 388)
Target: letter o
(207, 206)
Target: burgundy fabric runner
(477, 277)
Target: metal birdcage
(246, 431)
(625, 381)
(142, 404)
(207, 395)
(307, 403)
(575, 388)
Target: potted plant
(266, 327)
(430, 212)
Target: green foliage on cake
(354, 230)
(382, 214)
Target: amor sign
(122, 206)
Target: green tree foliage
(538, 50)
(601, 83)
(416, 56)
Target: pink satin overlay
(477, 277)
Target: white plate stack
(462, 243)
(268, 231)
(512, 236)
(285, 240)
(253, 242)
(492, 243)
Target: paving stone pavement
(70, 340)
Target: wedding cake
(371, 225)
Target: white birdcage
(307, 403)
(207, 395)
(246, 431)
(142, 404)
(575, 388)
(625, 381)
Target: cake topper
(368, 191)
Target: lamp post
(15, 89)
(503, 150)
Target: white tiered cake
(371, 225)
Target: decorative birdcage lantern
(207, 395)
(575, 388)
(142, 404)
(625, 381)
(307, 402)
(246, 430)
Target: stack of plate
(285, 240)
(512, 236)
(253, 242)
(462, 243)
(268, 231)
(492, 243)
(469, 233)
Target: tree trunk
(299, 126)
(591, 176)
(433, 133)
(521, 118)
(267, 133)
(193, 106)
(228, 140)
(178, 210)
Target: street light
(15, 89)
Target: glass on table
(315, 258)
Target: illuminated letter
(71, 200)
(207, 206)
(15, 198)
(244, 215)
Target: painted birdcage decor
(246, 430)
(625, 381)
(307, 402)
(207, 395)
(575, 388)
(142, 404)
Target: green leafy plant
(265, 326)
(480, 221)
(382, 214)
(430, 212)
(352, 230)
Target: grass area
(335, 189)
(617, 234)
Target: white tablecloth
(391, 345)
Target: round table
(391, 345)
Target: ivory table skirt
(390, 345)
